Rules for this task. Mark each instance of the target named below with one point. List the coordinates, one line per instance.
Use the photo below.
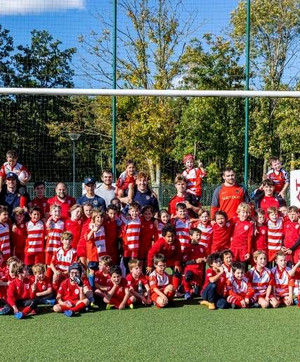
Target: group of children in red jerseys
(97, 257)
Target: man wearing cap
(63, 199)
(90, 197)
(13, 196)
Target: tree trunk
(151, 171)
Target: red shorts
(31, 259)
(239, 253)
(116, 301)
(48, 258)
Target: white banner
(295, 188)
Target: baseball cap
(89, 180)
(11, 175)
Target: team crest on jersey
(151, 226)
(44, 287)
(26, 286)
(95, 202)
(263, 232)
(246, 227)
(237, 191)
(173, 247)
(76, 291)
(147, 197)
(228, 224)
(297, 226)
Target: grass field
(184, 332)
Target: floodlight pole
(247, 70)
(114, 99)
(74, 137)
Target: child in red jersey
(4, 277)
(227, 257)
(275, 233)
(4, 232)
(12, 165)
(71, 297)
(239, 289)
(279, 176)
(283, 212)
(102, 277)
(95, 243)
(182, 225)
(126, 182)
(131, 229)
(20, 297)
(18, 233)
(213, 291)
(242, 235)
(164, 219)
(147, 234)
(193, 175)
(86, 220)
(162, 290)
(262, 281)
(169, 246)
(283, 281)
(74, 224)
(204, 225)
(111, 233)
(260, 241)
(118, 295)
(194, 257)
(41, 285)
(55, 227)
(137, 283)
(265, 196)
(34, 248)
(63, 257)
(221, 234)
(291, 232)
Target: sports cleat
(256, 305)
(18, 315)
(68, 313)
(131, 306)
(187, 296)
(211, 306)
(50, 302)
(205, 303)
(109, 306)
(178, 294)
(94, 306)
(196, 290)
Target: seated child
(137, 283)
(239, 289)
(71, 297)
(262, 281)
(227, 258)
(162, 290)
(41, 285)
(194, 257)
(63, 257)
(283, 281)
(213, 291)
(20, 297)
(118, 295)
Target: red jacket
(172, 252)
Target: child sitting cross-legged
(41, 285)
(241, 293)
(138, 284)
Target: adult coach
(90, 197)
(106, 190)
(229, 195)
(143, 195)
(62, 198)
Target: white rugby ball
(24, 177)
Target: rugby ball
(24, 177)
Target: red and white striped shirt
(62, 259)
(275, 234)
(159, 281)
(282, 280)
(241, 288)
(131, 237)
(260, 280)
(54, 236)
(5, 240)
(100, 241)
(182, 227)
(35, 237)
(206, 235)
(194, 180)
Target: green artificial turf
(181, 333)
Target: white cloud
(22, 7)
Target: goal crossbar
(149, 92)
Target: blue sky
(68, 19)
